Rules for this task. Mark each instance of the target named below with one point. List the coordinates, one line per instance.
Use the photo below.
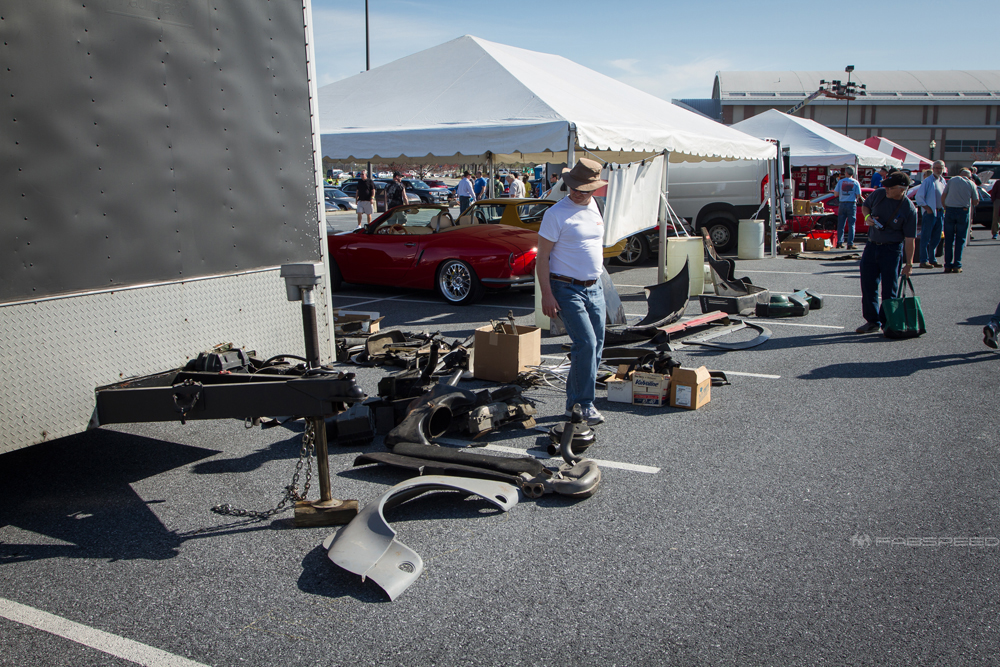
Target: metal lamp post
(932, 145)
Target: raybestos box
(690, 388)
(501, 356)
(649, 388)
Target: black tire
(336, 279)
(722, 230)
(458, 284)
(636, 251)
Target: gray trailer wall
(158, 166)
(152, 140)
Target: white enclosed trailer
(160, 163)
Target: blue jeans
(930, 234)
(581, 310)
(879, 262)
(956, 229)
(463, 203)
(847, 215)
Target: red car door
(386, 256)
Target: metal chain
(306, 454)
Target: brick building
(957, 109)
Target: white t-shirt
(516, 190)
(578, 234)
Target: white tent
(468, 100)
(812, 144)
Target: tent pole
(491, 191)
(661, 262)
(571, 147)
(773, 187)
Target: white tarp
(633, 199)
(460, 100)
(812, 144)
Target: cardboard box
(817, 245)
(649, 388)
(801, 207)
(619, 386)
(791, 247)
(690, 388)
(356, 321)
(501, 356)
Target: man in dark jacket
(892, 228)
(395, 192)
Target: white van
(717, 195)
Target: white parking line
(794, 324)
(753, 375)
(793, 273)
(607, 464)
(126, 649)
(841, 296)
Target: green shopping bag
(903, 316)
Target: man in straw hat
(570, 262)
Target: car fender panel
(367, 545)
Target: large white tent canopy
(812, 144)
(468, 100)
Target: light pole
(368, 66)
(847, 91)
(932, 145)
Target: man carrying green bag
(888, 254)
(903, 316)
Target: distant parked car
(350, 188)
(427, 194)
(339, 200)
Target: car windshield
(487, 214)
(333, 192)
(412, 217)
(417, 184)
(533, 212)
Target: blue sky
(667, 48)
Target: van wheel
(636, 250)
(722, 231)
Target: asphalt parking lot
(837, 504)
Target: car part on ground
(571, 438)
(705, 333)
(784, 305)
(367, 545)
(575, 480)
(356, 426)
(665, 304)
(444, 408)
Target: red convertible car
(423, 247)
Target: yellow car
(524, 213)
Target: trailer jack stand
(300, 280)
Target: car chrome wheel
(458, 283)
(636, 250)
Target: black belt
(886, 242)
(572, 281)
